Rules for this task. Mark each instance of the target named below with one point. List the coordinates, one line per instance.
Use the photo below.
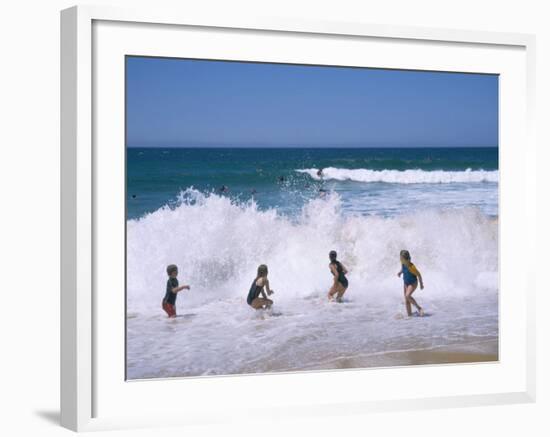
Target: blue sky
(178, 102)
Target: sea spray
(218, 243)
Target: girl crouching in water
(257, 289)
(339, 272)
(411, 277)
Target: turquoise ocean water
(371, 181)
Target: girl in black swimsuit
(338, 271)
(257, 288)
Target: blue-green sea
(370, 180)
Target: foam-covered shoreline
(218, 243)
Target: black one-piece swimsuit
(254, 292)
(341, 276)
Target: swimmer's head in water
(171, 269)
(332, 255)
(262, 270)
(405, 255)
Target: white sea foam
(403, 176)
(218, 245)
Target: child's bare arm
(416, 272)
(269, 290)
(182, 287)
(344, 269)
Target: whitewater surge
(218, 244)
(411, 176)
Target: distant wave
(403, 176)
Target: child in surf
(172, 290)
(340, 284)
(257, 298)
(411, 278)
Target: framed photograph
(282, 218)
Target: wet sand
(480, 352)
(485, 351)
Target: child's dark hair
(405, 255)
(332, 255)
(171, 269)
(262, 270)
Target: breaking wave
(403, 176)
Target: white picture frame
(86, 402)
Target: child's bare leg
(341, 292)
(407, 302)
(413, 301)
(260, 303)
(333, 290)
(410, 300)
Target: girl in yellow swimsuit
(411, 278)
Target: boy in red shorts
(172, 290)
